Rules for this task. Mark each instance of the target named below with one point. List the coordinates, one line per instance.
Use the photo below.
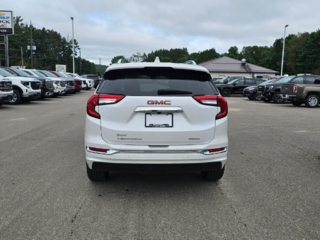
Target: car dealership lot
(270, 189)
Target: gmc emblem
(156, 102)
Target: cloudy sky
(107, 28)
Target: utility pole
(284, 40)
(7, 50)
(80, 61)
(73, 42)
(21, 58)
(99, 61)
(31, 48)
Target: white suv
(24, 89)
(6, 91)
(156, 117)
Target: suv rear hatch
(157, 107)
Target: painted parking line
(17, 119)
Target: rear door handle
(159, 109)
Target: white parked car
(156, 117)
(6, 91)
(87, 83)
(24, 89)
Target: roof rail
(303, 74)
(121, 60)
(190, 62)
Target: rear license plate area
(157, 120)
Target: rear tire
(16, 98)
(296, 103)
(213, 175)
(312, 101)
(96, 176)
(277, 98)
(226, 93)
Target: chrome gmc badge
(156, 102)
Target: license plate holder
(156, 120)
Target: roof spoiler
(191, 62)
(121, 60)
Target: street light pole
(73, 42)
(284, 40)
(80, 62)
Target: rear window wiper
(172, 91)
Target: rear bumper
(175, 156)
(163, 168)
(289, 97)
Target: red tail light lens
(214, 101)
(216, 149)
(92, 102)
(98, 149)
(295, 89)
(101, 99)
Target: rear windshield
(156, 82)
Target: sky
(105, 28)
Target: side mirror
(234, 84)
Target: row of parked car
(24, 85)
(299, 89)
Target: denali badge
(156, 102)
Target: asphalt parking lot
(270, 190)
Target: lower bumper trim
(156, 168)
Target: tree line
(51, 49)
(302, 54)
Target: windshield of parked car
(50, 74)
(220, 80)
(63, 74)
(233, 81)
(5, 73)
(70, 75)
(20, 72)
(39, 74)
(77, 75)
(285, 79)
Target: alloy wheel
(313, 101)
(14, 98)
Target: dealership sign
(6, 22)
(61, 68)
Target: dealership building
(226, 66)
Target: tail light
(101, 99)
(214, 151)
(98, 149)
(295, 89)
(218, 101)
